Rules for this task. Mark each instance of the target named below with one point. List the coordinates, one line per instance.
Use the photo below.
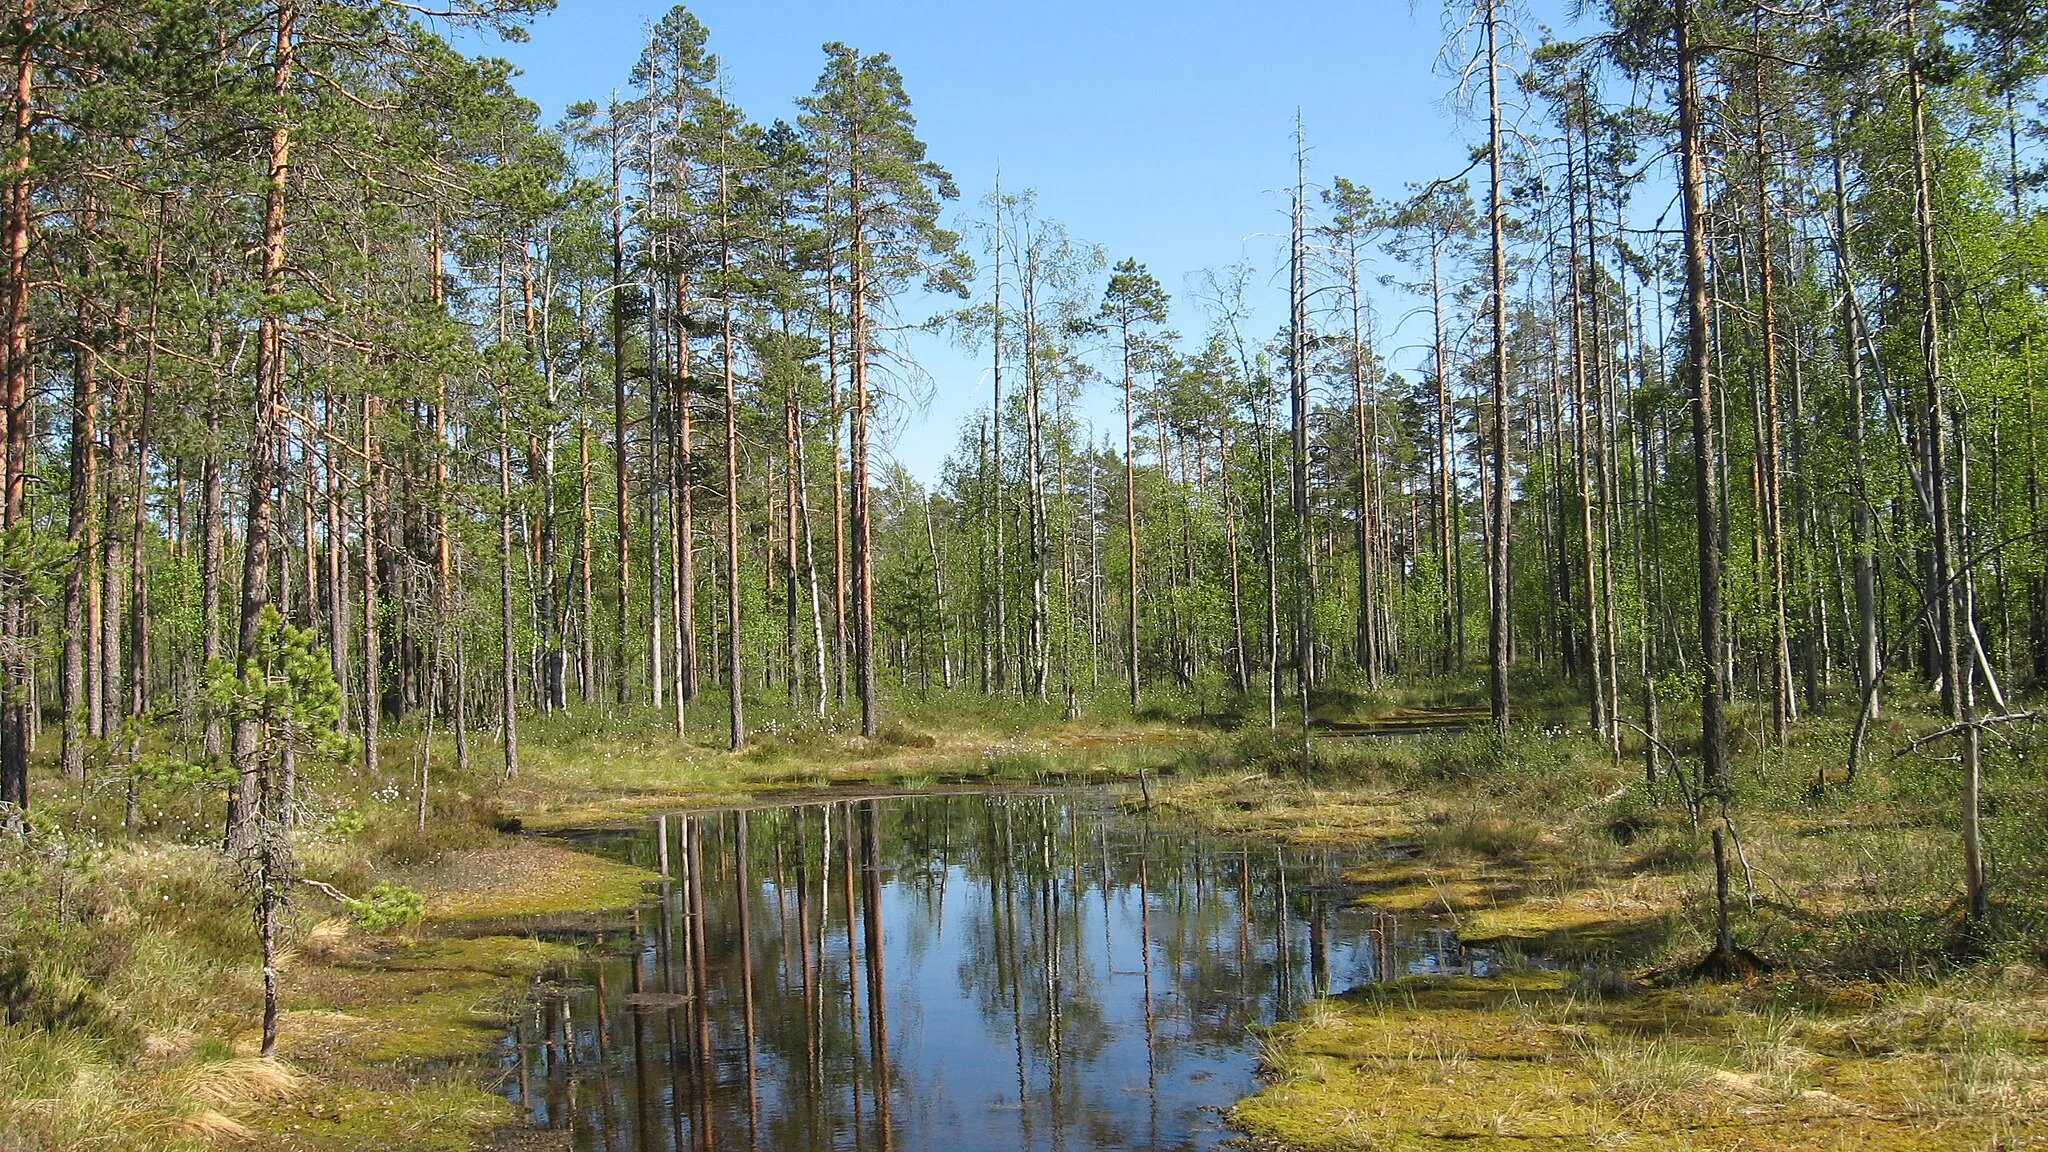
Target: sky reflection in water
(1020, 971)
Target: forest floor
(127, 974)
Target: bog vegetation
(370, 442)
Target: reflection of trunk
(743, 896)
(1054, 988)
(1318, 946)
(693, 941)
(878, 995)
(604, 1054)
(643, 1093)
(1013, 978)
(1145, 965)
(693, 854)
(1244, 921)
(665, 960)
(852, 960)
(525, 1073)
(814, 1078)
(1284, 970)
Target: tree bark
(14, 714)
(1782, 706)
(266, 425)
(1497, 566)
(622, 684)
(863, 534)
(1699, 364)
(1130, 522)
(733, 666)
(373, 657)
(507, 684)
(78, 527)
(1950, 590)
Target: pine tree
(887, 198)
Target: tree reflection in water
(1011, 970)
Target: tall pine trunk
(1130, 523)
(863, 532)
(78, 527)
(1699, 365)
(1782, 706)
(266, 427)
(622, 644)
(733, 666)
(1497, 562)
(1949, 592)
(507, 683)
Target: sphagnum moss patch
(1524, 1062)
(1869, 1034)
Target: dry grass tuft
(242, 1082)
(212, 1127)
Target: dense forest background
(323, 352)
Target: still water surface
(943, 973)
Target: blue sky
(1161, 131)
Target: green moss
(499, 955)
(436, 1001)
(1535, 1061)
(442, 1115)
